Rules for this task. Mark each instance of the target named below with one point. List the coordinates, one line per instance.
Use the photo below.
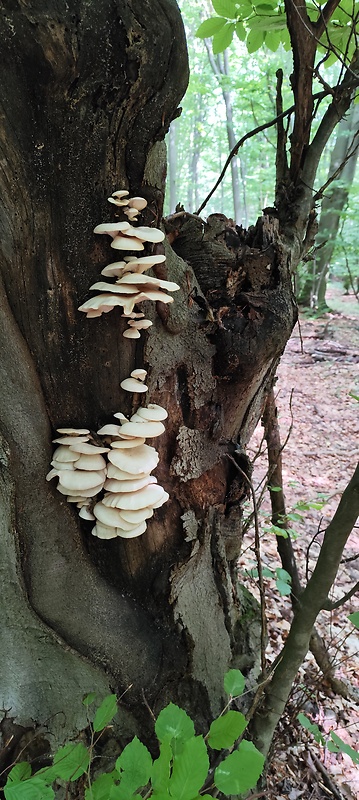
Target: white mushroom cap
(126, 444)
(139, 374)
(133, 385)
(152, 412)
(137, 516)
(87, 449)
(137, 202)
(109, 430)
(133, 315)
(131, 333)
(53, 474)
(156, 296)
(70, 440)
(146, 280)
(132, 534)
(102, 286)
(73, 431)
(161, 500)
(135, 460)
(131, 213)
(120, 193)
(149, 234)
(143, 498)
(136, 418)
(127, 242)
(114, 269)
(64, 454)
(112, 228)
(84, 492)
(145, 261)
(120, 475)
(81, 480)
(103, 531)
(89, 462)
(119, 487)
(146, 428)
(139, 324)
(119, 415)
(78, 499)
(112, 517)
(106, 302)
(84, 513)
(63, 464)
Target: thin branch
(318, 195)
(331, 606)
(325, 14)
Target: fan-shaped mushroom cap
(118, 201)
(140, 324)
(137, 516)
(149, 234)
(63, 465)
(73, 431)
(145, 261)
(52, 474)
(64, 454)
(152, 412)
(102, 286)
(112, 517)
(161, 500)
(103, 531)
(133, 315)
(136, 418)
(133, 533)
(114, 269)
(119, 487)
(131, 213)
(80, 480)
(127, 242)
(109, 430)
(131, 333)
(91, 462)
(137, 202)
(78, 499)
(135, 460)
(70, 440)
(146, 428)
(146, 280)
(112, 228)
(155, 296)
(88, 449)
(120, 475)
(84, 492)
(120, 193)
(133, 385)
(126, 444)
(143, 498)
(84, 513)
(108, 301)
(119, 415)
(139, 374)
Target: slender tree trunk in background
(220, 69)
(172, 165)
(333, 204)
(193, 188)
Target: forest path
(318, 371)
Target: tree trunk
(87, 95)
(172, 165)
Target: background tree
(87, 96)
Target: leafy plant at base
(180, 772)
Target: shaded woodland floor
(319, 369)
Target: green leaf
(355, 396)
(32, 789)
(311, 727)
(225, 730)
(345, 748)
(173, 723)
(275, 488)
(20, 772)
(223, 38)
(210, 26)
(105, 713)
(283, 575)
(284, 588)
(70, 762)
(241, 31)
(135, 767)
(234, 682)
(266, 572)
(161, 768)
(101, 787)
(240, 771)
(89, 698)
(190, 769)
(225, 8)
(354, 618)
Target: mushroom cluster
(131, 285)
(80, 467)
(131, 493)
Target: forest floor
(318, 372)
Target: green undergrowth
(187, 767)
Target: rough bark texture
(87, 93)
